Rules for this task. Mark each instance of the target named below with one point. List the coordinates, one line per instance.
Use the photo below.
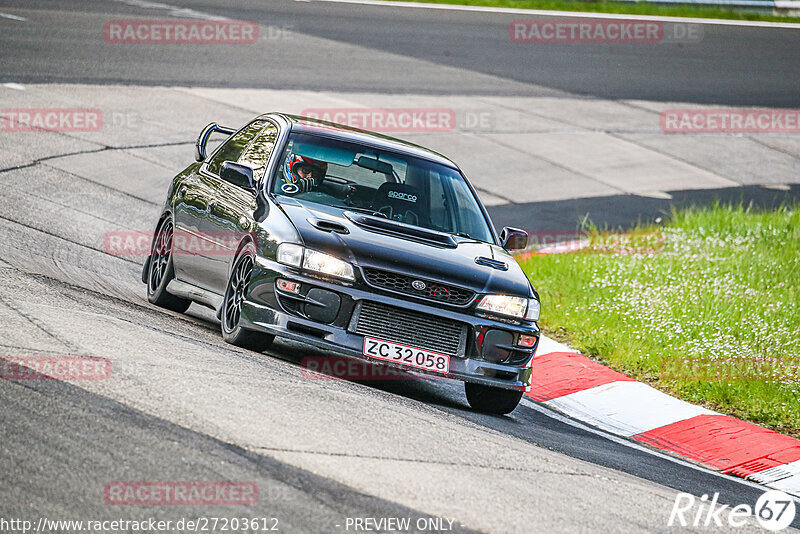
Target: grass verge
(628, 8)
(710, 315)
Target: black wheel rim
(159, 260)
(234, 295)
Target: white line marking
(626, 408)
(174, 11)
(562, 14)
(547, 345)
(15, 86)
(774, 474)
(790, 485)
(13, 17)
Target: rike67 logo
(774, 511)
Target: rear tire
(490, 399)
(232, 306)
(160, 270)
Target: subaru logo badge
(419, 285)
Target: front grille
(412, 328)
(432, 290)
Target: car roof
(347, 133)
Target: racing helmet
(318, 168)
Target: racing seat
(403, 203)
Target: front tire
(160, 271)
(490, 399)
(232, 306)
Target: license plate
(394, 352)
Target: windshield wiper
(365, 210)
(467, 236)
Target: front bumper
(272, 311)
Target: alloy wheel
(159, 260)
(235, 292)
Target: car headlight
(314, 260)
(510, 306)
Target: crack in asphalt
(526, 469)
(554, 164)
(68, 240)
(58, 284)
(103, 148)
(495, 194)
(35, 323)
(618, 133)
(95, 182)
(753, 138)
(132, 306)
(73, 208)
(32, 349)
(733, 183)
(758, 141)
(99, 415)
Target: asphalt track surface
(366, 48)
(183, 405)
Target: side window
(470, 217)
(233, 147)
(256, 155)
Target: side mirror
(237, 174)
(202, 139)
(513, 238)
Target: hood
(367, 247)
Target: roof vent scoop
(494, 264)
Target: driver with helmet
(305, 173)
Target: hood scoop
(328, 226)
(416, 233)
(494, 264)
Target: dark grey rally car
(352, 241)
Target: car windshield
(396, 186)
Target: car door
(191, 200)
(230, 215)
(197, 199)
